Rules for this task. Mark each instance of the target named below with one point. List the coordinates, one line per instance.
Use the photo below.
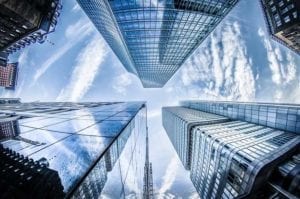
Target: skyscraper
(178, 122)
(74, 146)
(23, 22)
(234, 152)
(8, 75)
(283, 21)
(153, 38)
(280, 116)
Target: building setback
(283, 21)
(152, 40)
(23, 22)
(178, 122)
(71, 147)
(235, 156)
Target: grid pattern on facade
(228, 156)
(77, 139)
(283, 21)
(8, 75)
(157, 36)
(9, 127)
(178, 121)
(280, 116)
(101, 15)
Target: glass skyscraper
(237, 155)
(280, 116)
(179, 121)
(72, 150)
(153, 38)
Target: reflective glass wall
(178, 122)
(280, 116)
(89, 147)
(155, 36)
(229, 157)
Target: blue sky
(238, 61)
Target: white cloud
(87, 66)
(194, 196)
(291, 69)
(282, 65)
(23, 58)
(121, 82)
(169, 177)
(221, 68)
(76, 8)
(74, 34)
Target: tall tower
(153, 38)
(283, 21)
(66, 150)
(237, 150)
(24, 22)
(148, 177)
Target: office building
(27, 177)
(153, 39)
(8, 75)
(280, 116)
(23, 22)
(234, 154)
(283, 21)
(79, 145)
(178, 122)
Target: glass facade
(229, 157)
(232, 151)
(280, 116)
(91, 146)
(153, 38)
(178, 122)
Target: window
(287, 19)
(295, 14)
(276, 17)
(271, 2)
(278, 23)
(281, 4)
(284, 10)
(273, 8)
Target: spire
(148, 179)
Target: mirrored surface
(81, 145)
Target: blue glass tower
(237, 150)
(153, 38)
(70, 150)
